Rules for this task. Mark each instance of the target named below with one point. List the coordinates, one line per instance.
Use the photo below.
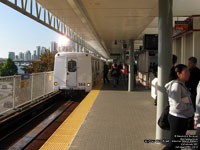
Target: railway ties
(37, 135)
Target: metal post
(32, 87)
(44, 83)
(77, 48)
(131, 67)
(14, 84)
(164, 60)
(124, 56)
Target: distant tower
(34, 56)
(11, 55)
(43, 50)
(16, 57)
(27, 56)
(54, 46)
(38, 51)
(21, 56)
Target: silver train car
(76, 71)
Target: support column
(131, 67)
(164, 60)
(77, 49)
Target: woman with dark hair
(180, 103)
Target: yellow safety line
(63, 136)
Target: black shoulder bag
(163, 120)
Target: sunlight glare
(63, 41)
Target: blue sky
(20, 33)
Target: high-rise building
(21, 56)
(11, 55)
(54, 46)
(17, 57)
(34, 56)
(38, 51)
(43, 50)
(27, 56)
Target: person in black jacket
(172, 71)
(194, 79)
(192, 85)
(105, 73)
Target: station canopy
(102, 22)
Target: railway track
(32, 133)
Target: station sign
(181, 25)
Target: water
(20, 71)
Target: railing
(16, 91)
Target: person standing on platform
(135, 74)
(119, 68)
(105, 73)
(194, 78)
(114, 74)
(180, 105)
(172, 71)
(124, 73)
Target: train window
(72, 66)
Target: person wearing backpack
(180, 105)
(114, 74)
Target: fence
(16, 91)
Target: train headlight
(55, 83)
(88, 84)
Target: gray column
(164, 59)
(77, 48)
(131, 66)
(123, 56)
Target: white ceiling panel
(109, 20)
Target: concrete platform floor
(118, 120)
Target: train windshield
(72, 66)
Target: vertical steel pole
(131, 67)
(14, 83)
(32, 86)
(44, 83)
(164, 59)
(77, 50)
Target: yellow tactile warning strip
(63, 136)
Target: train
(75, 71)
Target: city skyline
(35, 54)
(19, 33)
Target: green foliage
(9, 68)
(45, 64)
(1, 64)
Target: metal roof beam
(37, 17)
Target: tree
(45, 64)
(9, 68)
